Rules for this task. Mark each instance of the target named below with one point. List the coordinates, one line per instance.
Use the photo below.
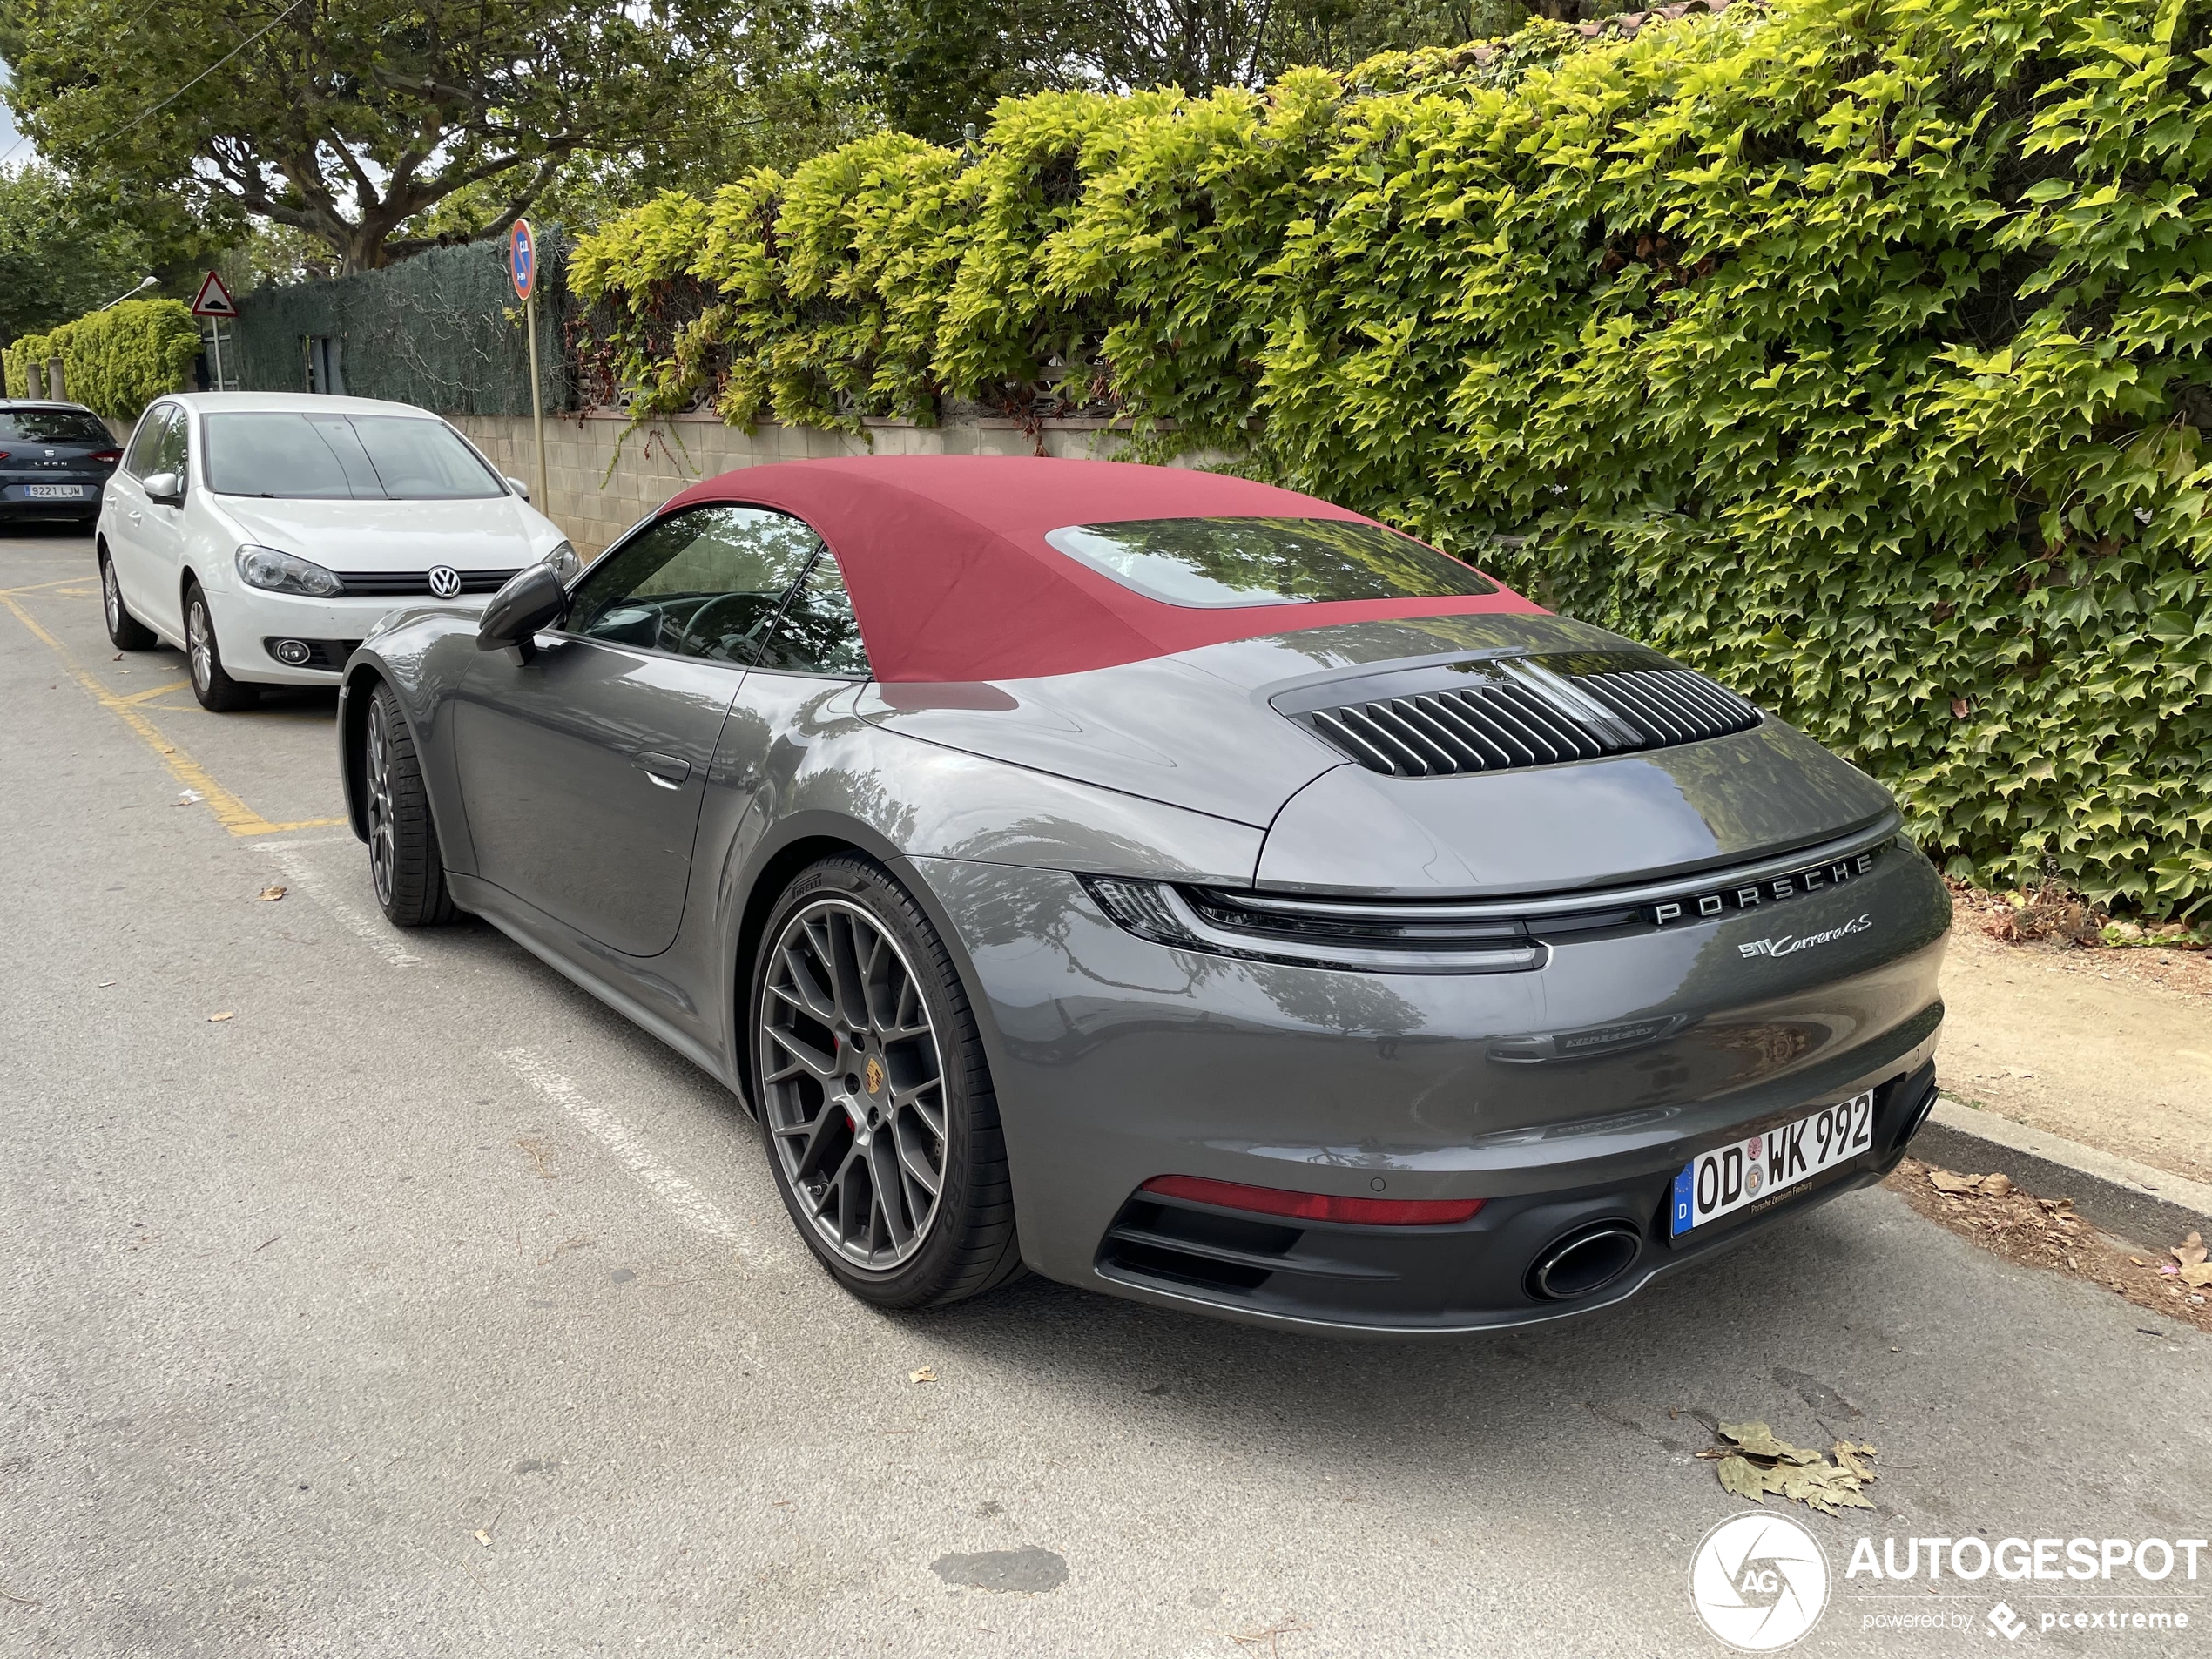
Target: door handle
(667, 770)
(134, 514)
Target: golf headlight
(564, 562)
(279, 572)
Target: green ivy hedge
(1856, 353)
(114, 361)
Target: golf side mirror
(166, 489)
(519, 488)
(532, 599)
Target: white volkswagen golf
(264, 533)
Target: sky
(8, 133)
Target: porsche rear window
(343, 457)
(1209, 562)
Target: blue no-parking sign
(521, 259)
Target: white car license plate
(54, 492)
(1714, 1183)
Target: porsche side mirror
(532, 599)
(166, 489)
(519, 488)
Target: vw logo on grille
(445, 581)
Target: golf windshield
(300, 457)
(1222, 561)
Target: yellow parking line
(159, 691)
(233, 813)
(37, 587)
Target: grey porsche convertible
(1171, 885)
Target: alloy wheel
(200, 636)
(853, 1084)
(382, 851)
(111, 596)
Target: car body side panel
(582, 773)
(1116, 1060)
(798, 766)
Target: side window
(146, 440)
(169, 455)
(818, 633)
(707, 583)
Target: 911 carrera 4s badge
(1790, 944)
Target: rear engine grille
(1502, 714)
(395, 583)
(1670, 704)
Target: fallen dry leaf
(2197, 1277)
(270, 895)
(1755, 1461)
(2190, 1253)
(1951, 1181)
(927, 1374)
(1996, 1186)
(2036, 1231)
(217, 1019)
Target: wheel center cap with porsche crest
(872, 1077)
(445, 582)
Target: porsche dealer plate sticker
(54, 492)
(1715, 1183)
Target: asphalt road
(422, 1306)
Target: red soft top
(952, 578)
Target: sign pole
(537, 406)
(522, 269)
(215, 339)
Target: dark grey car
(1181, 887)
(55, 461)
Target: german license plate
(1714, 1183)
(54, 492)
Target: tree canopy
(348, 121)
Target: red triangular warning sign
(214, 299)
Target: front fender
(422, 659)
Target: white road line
(373, 931)
(691, 1206)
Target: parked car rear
(55, 460)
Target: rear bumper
(1475, 1276)
(1116, 1060)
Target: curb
(2145, 1205)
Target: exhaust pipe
(1585, 1260)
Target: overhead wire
(155, 109)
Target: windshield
(343, 457)
(54, 426)
(1219, 561)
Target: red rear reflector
(1315, 1206)
(107, 455)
